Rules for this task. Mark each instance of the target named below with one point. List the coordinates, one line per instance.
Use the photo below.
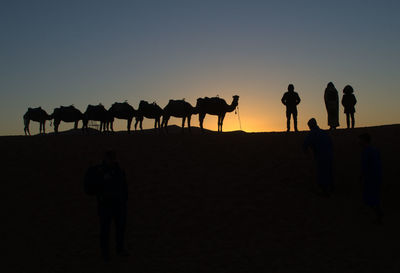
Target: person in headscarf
(332, 105)
(348, 102)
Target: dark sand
(233, 202)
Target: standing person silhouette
(107, 181)
(320, 143)
(371, 176)
(291, 99)
(331, 98)
(348, 102)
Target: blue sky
(85, 52)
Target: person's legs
(288, 120)
(105, 216)
(120, 225)
(352, 120)
(379, 214)
(295, 121)
(325, 177)
(348, 120)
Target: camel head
(195, 110)
(235, 100)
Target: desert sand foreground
(231, 202)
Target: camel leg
(222, 121)
(129, 125)
(188, 121)
(56, 124)
(183, 124)
(76, 124)
(141, 124)
(201, 119)
(136, 123)
(84, 124)
(44, 127)
(155, 123)
(165, 123)
(26, 126)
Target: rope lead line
(240, 123)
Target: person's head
(330, 85)
(110, 157)
(290, 88)
(348, 89)
(312, 124)
(365, 139)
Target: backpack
(92, 181)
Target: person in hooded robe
(331, 97)
(348, 102)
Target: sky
(84, 52)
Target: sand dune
(231, 202)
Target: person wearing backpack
(107, 182)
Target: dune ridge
(230, 202)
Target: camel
(215, 106)
(121, 110)
(36, 114)
(178, 109)
(66, 114)
(150, 111)
(97, 113)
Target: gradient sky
(84, 52)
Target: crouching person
(320, 143)
(108, 183)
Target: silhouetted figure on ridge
(215, 106)
(179, 109)
(150, 111)
(36, 114)
(348, 102)
(371, 176)
(321, 144)
(66, 114)
(331, 98)
(291, 99)
(108, 182)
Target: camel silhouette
(215, 106)
(66, 114)
(121, 110)
(150, 111)
(96, 113)
(178, 109)
(36, 114)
